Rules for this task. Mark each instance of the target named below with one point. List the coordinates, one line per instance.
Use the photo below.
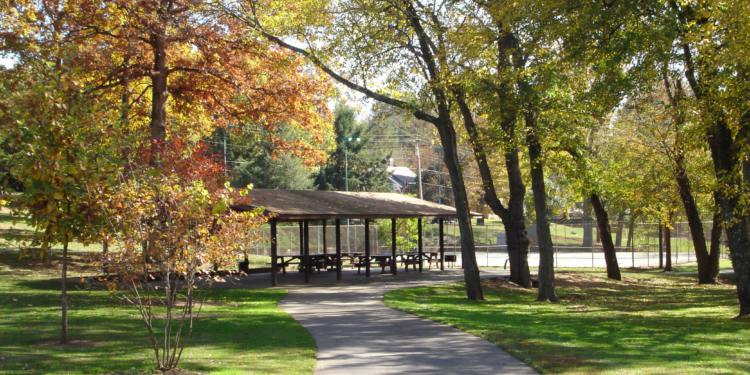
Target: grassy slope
(647, 324)
(255, 337)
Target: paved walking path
(356, 333)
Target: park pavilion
(304, 206)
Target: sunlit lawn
(650, 323)
(248, 333)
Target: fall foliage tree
(172, 220)
(176, 68)
(69, 155)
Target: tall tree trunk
(715, 254)
(448, 139)
(668, 244)
(159, 89)
(546, 251)
(602, 220)
(515, 227)
(64, 339)
(726, 164)
(468, 254)
(588, 232)
(685, 189)
(694, 221)
(512, 217)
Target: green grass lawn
(724, 265)
(248, 334)
(649, 323)
(15, 233)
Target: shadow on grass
(250, 330)
(661, 329)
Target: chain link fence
(576, 243)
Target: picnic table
(319, 261)
(413, 259)
(381, 260)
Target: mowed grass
(244, 331)
(15, 233)
(647, 324)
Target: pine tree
(366, 168)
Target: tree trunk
(618, 234)
(588, 233)
(546, 251)
(159, 89)
(726, 164)
(64, 339)
(602, 220)
(631, 229)
(668, 245)
(517, 243)
(694, 221)
(715, 254)
(449, 141)
(468, 254)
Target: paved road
(356, 333)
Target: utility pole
(419, 166)
(346, 178)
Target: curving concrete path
(356, 333)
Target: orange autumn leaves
(178, 65)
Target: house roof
(294, 205)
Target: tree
(707, 42)
(253, 159)
(69, 154)
(172, 222)
(412, 59)
(407, 233)
(351, 166)
(177, 69)
(662, 124)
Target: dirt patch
(580, 280)
(70, 344)
(496, 284)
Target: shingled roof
(294, 205)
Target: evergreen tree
(250, 161)
(366, 168)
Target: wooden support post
(306, 235)
(325, 243)
(367, 248)
(338, 249)
(394, 269)
(419, 242)
(301, 240)
(274, 254)
(442, 248)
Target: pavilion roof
(294, 205)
